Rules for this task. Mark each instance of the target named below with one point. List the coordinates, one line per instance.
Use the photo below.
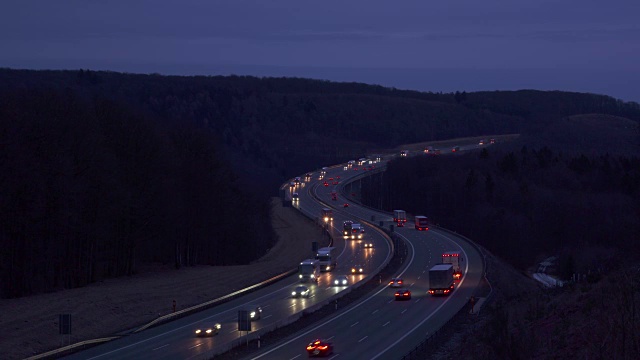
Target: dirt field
(29, 326)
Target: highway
(176, 340)
(379, 326)
(375, 327)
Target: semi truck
(346, 229)
(441, 279)
(326, 215)
(309, 271)
(422, 223)
(399, 217)
(326, 259)
(453, 258)
(356, 232)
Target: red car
(403, 294)
(326, 183)
(319, 348)
(345, 205)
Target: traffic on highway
(391, 320)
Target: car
(455, 149)
(326, 183)
(345, 205)
(208, 329)
(492, 141)
(319, 348)
(396, 282)
(301, 291)
(341, 280)
(403, 294)
(367, 245)
(338, 177)
(292, 184)
(307, 177)
(331, 179)
(296, 181)
(295, 197)
(255, 311)
(482, 142)
(335, 183)
(357, 269)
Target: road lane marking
(430, 315)
(409, 262)
(297, 356)
(417, 299)
(374, 311)
(268, 316)
(403, 311)
(390, 301)
(387, 323)
(418, 277)
(329, 338)
(161, 347)
(195, 346)
(364, 338)
(354, 324)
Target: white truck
(326, 258)
(356, 232)
(399, 217)
(309, 271)
(441, 279)
(453, 258)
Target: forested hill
(284, 126)
(90, 189)
(103, 171)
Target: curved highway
(379, 326)
(375, 327)
(176, 340)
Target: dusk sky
(573, 45)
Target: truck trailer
(422, 223)
(453, 258)
(326, 258)
(399, 217)
(441, 279)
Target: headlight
(336, 282)
(209, 331)
(328, 267)
(198, 331)
(253, 314)
(218, 326)
(293, 293)
(313, 276)
(344, 282)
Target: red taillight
(431, 291)
(309, 348)
(323, 347)
(405, 294)
(399, 281)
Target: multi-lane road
(377, 327)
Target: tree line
(323, 122)
(523, 204)
(92, 189)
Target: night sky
(573, 45)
